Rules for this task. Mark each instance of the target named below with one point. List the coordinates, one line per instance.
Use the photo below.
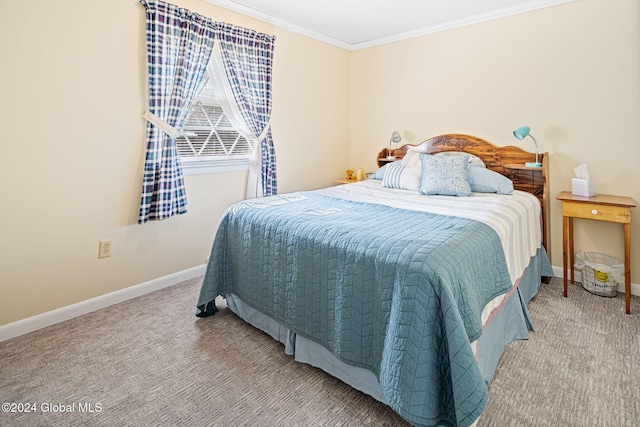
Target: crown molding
(489, 16)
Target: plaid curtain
(179, 45)
(248, 59)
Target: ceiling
(356, 24)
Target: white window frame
(207, 164)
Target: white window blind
(209, 142)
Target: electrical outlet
(104, 249)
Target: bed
(406, 286)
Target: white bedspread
(516, 218)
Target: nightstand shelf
(603, 207)
(522, 167)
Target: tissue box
(583, 187)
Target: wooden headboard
(508, 161)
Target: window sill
(211, 166)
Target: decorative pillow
(473, 159)
(487, 181)
(445, 175)
(402, 177)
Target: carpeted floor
(150, 361)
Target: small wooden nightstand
(346, 181)
(602, 207)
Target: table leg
(572, 252)
(627, 266)
(565, 238)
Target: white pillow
(403, 177)
(411, 158)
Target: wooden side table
(345, 181)
(602, 207)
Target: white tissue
(581, 171)
(583, 185)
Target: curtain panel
(247, 57)
(179, 47)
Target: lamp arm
(392, 141)
(536, 144)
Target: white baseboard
(558, 272)
(30, 324)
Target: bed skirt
(508, 322)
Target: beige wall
(73, 92)
(73, 85)
(571, 72)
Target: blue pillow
(379, 174)
(487, 181)
(445, 175)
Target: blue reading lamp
(520, 134)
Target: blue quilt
(394, 291)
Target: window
(209, 142)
